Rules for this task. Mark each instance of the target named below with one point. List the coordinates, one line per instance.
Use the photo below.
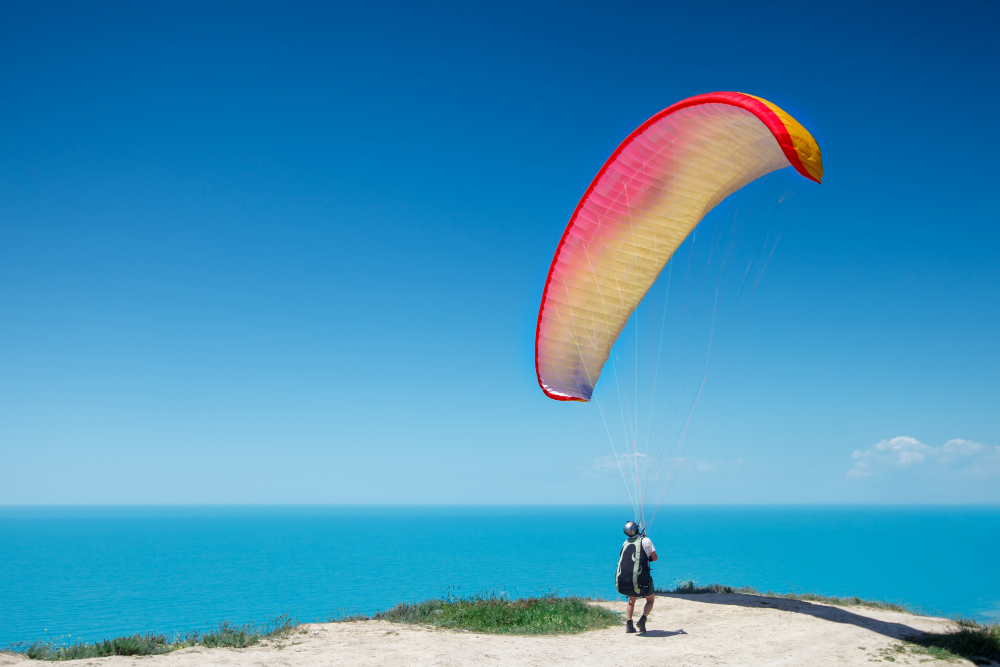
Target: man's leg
(628, 615)
(645, 612)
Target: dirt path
(742, 630)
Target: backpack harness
(639, 559)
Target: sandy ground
(740, 630)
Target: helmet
(631, 528)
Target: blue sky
(293, 253)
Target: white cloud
(955, 457)
(623, 461)
(964, 448)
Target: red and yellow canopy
(653, 190)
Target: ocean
(94, 572)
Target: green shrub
(226, 635)
(496, 614)
(147, 644)
(973, 641)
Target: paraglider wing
(650, 194)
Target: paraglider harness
(633, 578)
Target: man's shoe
(641, 624)
(629, 628)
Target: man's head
(631, 528)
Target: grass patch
(226, 635)
(690, 587)
(974, 641)
(348, 618)
(229, 635)
(495, 614)
(138, 644)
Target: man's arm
(653, 557)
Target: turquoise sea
(95, 572)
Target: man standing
(633, 578)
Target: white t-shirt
(647, 546)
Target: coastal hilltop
(713, 629)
